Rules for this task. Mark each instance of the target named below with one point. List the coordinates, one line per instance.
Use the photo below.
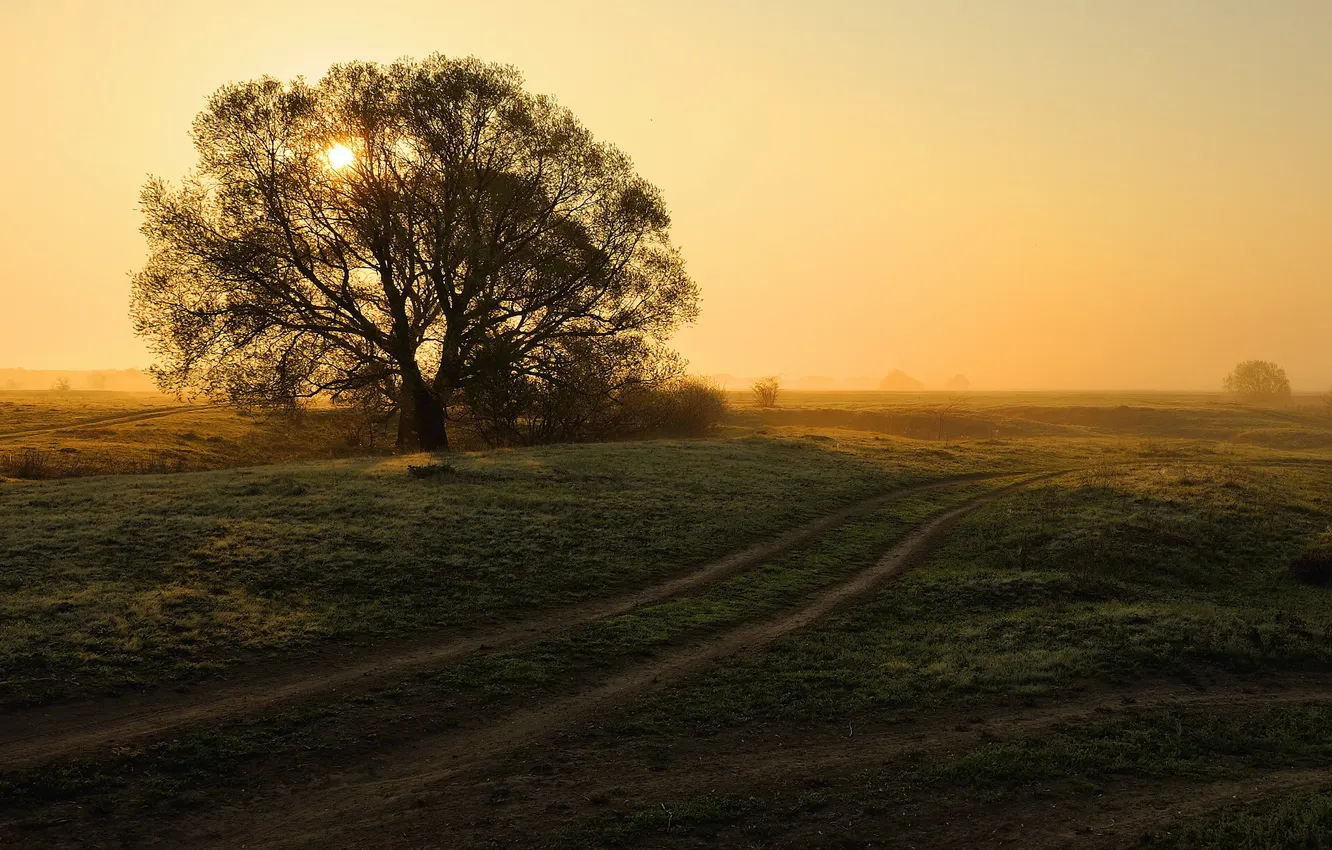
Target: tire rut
(428, 763)
(65, 730)
(107, 420)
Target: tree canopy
(1258, 380)
(412, 233)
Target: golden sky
(1036, 193)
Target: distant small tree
(765, 391)
(958, 383)
(899, 381)
(1260, 381)
(61, 385)
(945, 412)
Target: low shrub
(71, 463)
(32, 463)
(765, 391)
(686, 407)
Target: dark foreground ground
(792, 636)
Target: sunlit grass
(134, 578)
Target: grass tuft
(430, 470)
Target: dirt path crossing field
(62, 731)
(122, 419)
(351, 814)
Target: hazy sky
(1037, 193)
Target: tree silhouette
(1258, 380)
(404, 232)
(765, 391)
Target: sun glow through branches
(340, 156)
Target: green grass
(482, 683)
(89, 440)
(1169, 571)
(1070, 759)
(115, 581)
(1166, 556)
(1117, 576)
(1176, 743)
(1300, 821)
(24, 410)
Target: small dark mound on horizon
(1314, 565)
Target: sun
(340, 156)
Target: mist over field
(1048, 196)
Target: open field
(1305, 424)
(881, 399)
(1081, 631)
(37, 411)
(51, 434)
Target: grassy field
(1114, 655)
(52, 434)
(1306, 424)
(27, 410)
(1111, 584)
(113, 581)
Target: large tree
(1258, 380)
(408, 232)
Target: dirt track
(79, 728)
(438, 789)
(305, 819)
(107, 420)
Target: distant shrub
(899, 381)
(28, 463)
(958, 383)
(765, 391)
(61, 385)
(1259, 381)
(1314, 565)
(72, 463)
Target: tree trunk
(421, 418)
